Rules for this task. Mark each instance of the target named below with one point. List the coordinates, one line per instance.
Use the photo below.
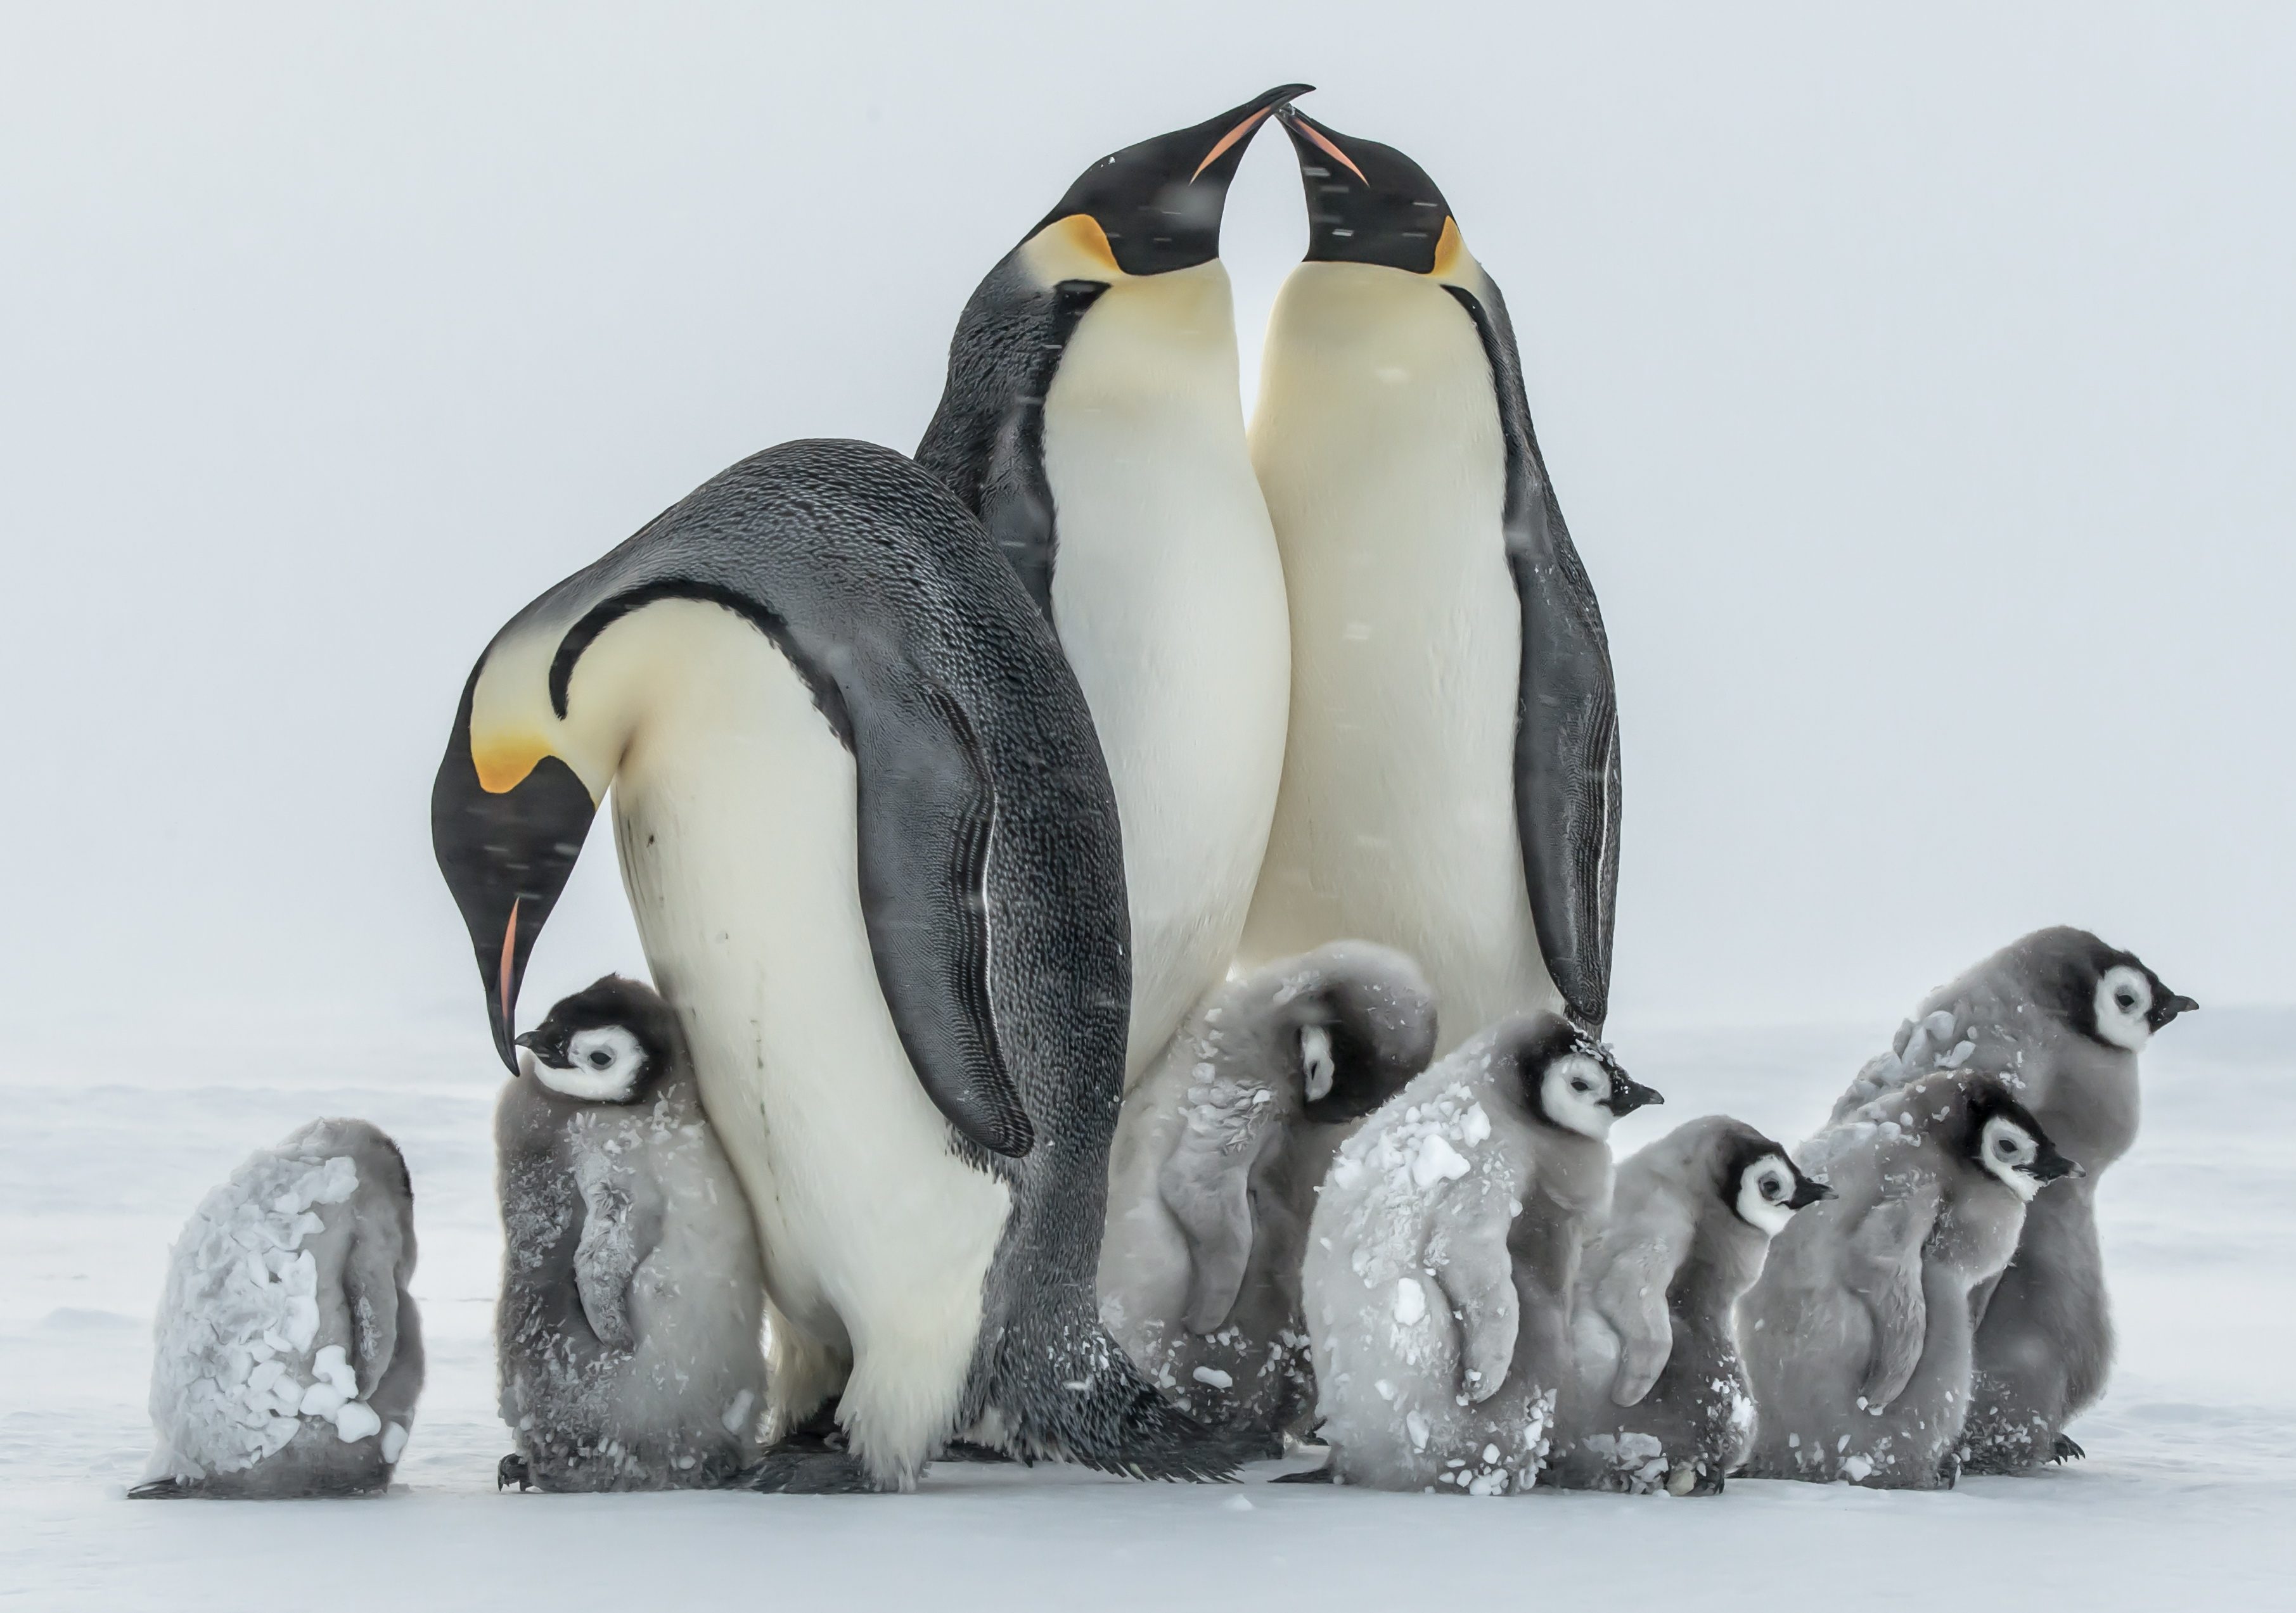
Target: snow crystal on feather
(233, 1370)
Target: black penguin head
(2004, 1142)
(609, 1043)
(1367, 202)
(1359, 1029)
(2105, 994)
(1566, 1079)
(1157, 206)
(1761, 1183)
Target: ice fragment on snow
(1211, 1376)
(1410, 1301)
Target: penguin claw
(966, 1450)
(792, 1469)
(158, 1489)
(2063, 1449)
(1323, 1475)
(513, 1469)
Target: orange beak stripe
(1230, 138)
(1337, 155)
(509, 957)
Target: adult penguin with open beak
(874, 862)
(1451, 787)
(1093, 422)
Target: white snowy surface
(2188, 1498)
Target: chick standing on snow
(2061, 1017)
(1660, 1399)
(1857, 1334)
(632, 1290)
(1218, 1153)
(288, 1355)
(1442, 1256)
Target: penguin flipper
(617, 1218)
(371, 1293)
(1208, 1188)
(1885, 1272)
(1630, 1295)
(927, 808)
(1468, 1254)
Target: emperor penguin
(1219, 1155)
(628, 1336)
(1660, 1399)
(289, 1354)
(1093, 422)
(1451, 780)
(1856, 1334)
(873, 854)
(2062, 1016)
(1444, 1254)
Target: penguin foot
(790, 1468)
(161, 1489)
(512, 1470)
(965, 1450)
(2063, 1449)
(1323, 1475)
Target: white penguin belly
(735, 812)
(1378, 445)
(1167, 595)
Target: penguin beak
(2051, 1165)
(1367, 202)
(1810, 1192)
(505, 853)
(548, 1047)
(1628, 1094)
(1160, 203)
(2166, 1008)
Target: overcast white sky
(1921, 388)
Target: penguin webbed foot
(2062, 1448)
(512, 1470)
(161, 1489)
(799, 1466)
(1323, 1475)
(967, 1451)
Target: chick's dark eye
(601, 1059)
(2006, 1148)
(2127, 1002)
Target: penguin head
(1763, 1186)
(609, 1043)
(1567, 1079)
(1369, 203)
(2105, 994)
(1357, 1021)
(2008, 1144)
(1155, 207)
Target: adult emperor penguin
(1661, 1400)
(1218, 1157)
(873, 858)
(1092, 421)
(628, 1336)
(1856, 1334)
(2062, 1016)
(1451, 783)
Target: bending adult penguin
(1451, 785)
(874, 862)
(1093, 422)
(2062, 1016)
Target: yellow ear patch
(504, 760)
(1450, 248)
(1074, 247)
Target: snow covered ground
(2189, 1494)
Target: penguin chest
(736, 817)
(1378, 443)
(1168, 600)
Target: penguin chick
(1660, 1398)
(1856, 1335)
(1443, 1253)
(1218, 1154)
(2061, 1017)
(627, 1333)
(288, 1354)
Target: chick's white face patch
(1573, 1093)
(1763, 1189)
(606, 1063)
(2124, 997)
(2009, 1151)
(1317, 1067)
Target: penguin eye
(600, 1057)
(1581, 1084)
(2127, 999)
(1772, 1187)
(2007, 1149)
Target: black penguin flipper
(1566, 746)
(928, 820)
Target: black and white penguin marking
(627, 1338)
(1451, 784)
(1856, 1335)
(1661, 1400)
(1218, 1158)
(2061, 1017)
(1093, 422)
(875, 866)
(1443, 1257)
(289, 1354)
